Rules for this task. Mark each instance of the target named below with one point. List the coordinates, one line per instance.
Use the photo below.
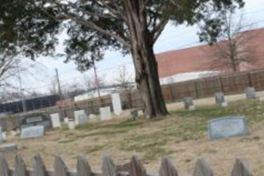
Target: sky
(41, 76)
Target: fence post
(167, 169)
(60, 169)
(249, 79)
(221, 84)
(4, 169)
(83, 167)
(240, 169)
(136, 167)
(196, 89)
(108, 168)
(39, 168)
(202, 168)
(20, 167)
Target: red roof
(202, 58)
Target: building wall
(201, 58)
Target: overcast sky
(171, 38)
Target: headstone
(71, 124)
(55, 120)
(188, 103)
(32, 132)
(1, 136)
(220, 99)
(66, 120)
(117, 104)
(227, 127)
(105, 113)
(80, 117)
(8, 147)
(4, 136)
(250, 93)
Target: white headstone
(66, 120)
(105, 113)
(80, 117)
(1, 136)
(117, 104)
(32, 132)
(71, 125)
(55, 120)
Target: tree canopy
(30, 27)
(93, 26)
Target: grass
(152, 138)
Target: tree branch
(93, 26)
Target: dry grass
(182, 136)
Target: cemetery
(209, 128)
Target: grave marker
(117, 104)
(1, 136)
(55, 120)
(71, 124)
(227, 127)
(250, 93)
(188, 103)
(105, 113)
(32, 132)
(80, 117)
(220, 99)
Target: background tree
(97, 25)
(235, 44)
(124, 79)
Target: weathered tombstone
(71, 124)
(188, 103)
(8, 147)
(105, 113)
(227, 127)
(1, 135)
(32, 132)
(250, 93)
(80, 117)
(55, 120)
(117, 104)
(220, 99)
(66, 120)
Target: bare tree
(234, 47)
(124, 79)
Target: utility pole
(58, 82)
(22, 96)
(96, 80)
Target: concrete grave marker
(71, 124)
(55, 120)
(117, 104)
(250, 93)
(1, 136)
(32, 132)
(80, 117)
(188, 103)
(66, 120)
(220, 99)
(227, 127)
(105, 113)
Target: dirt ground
(182, 138)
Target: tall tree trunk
(145, 63)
